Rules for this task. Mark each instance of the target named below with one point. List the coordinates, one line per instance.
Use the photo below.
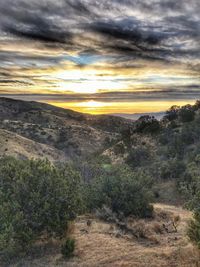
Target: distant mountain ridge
(135, 116)
(72, 133)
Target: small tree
(68, 248)
(138, 156)
(36, 198)
(122, 191)
(172, 113)
(147, 124)
(194, 229)
(186, 113)
(191, 188)
(197, 105)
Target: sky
(101, 56)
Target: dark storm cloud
(59, 21)
(129, 36)
(130, 30)
(46, 21)
(43, 33)
(26, 20)
(176, 36)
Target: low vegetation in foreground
(144, 160)
(40, 199)
(37, 199)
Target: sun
(68, 82)
(91, 104)
(86, 81)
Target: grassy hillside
(73, 133)
(12, 144)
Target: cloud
(135, 28)
(28, 21)
(167, 93)
(130, 35)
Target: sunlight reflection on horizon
(129, 107)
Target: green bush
(139, 156)
(36, 199)
(192, 191)
(172, 169)
(194, 230)
(172, 113)
(122, 191)
(68, 248)
(186, 113)
(147, 124)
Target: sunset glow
(110, 57)
(94, 107)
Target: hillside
(12, 144)
(44, 114)
(132, 180)
(74, 134)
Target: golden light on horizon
(98, 107)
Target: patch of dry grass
(105, 244)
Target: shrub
(36, 198)
(122, 191)
(172, 169)
(119, 148)
(68, 248)
(197, 105)
(138, 156)
(192, 191)
(92, 167)
(147, 124)
(194, 230)
(186, 113)
(172, 113)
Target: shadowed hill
(44, 113)
(74, 133)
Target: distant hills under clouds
(135, 116)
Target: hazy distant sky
(101, 56)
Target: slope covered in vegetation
(121, 173)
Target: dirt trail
(101, 244)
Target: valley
(133, 181)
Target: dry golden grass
(103, 244)
(12, 144)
